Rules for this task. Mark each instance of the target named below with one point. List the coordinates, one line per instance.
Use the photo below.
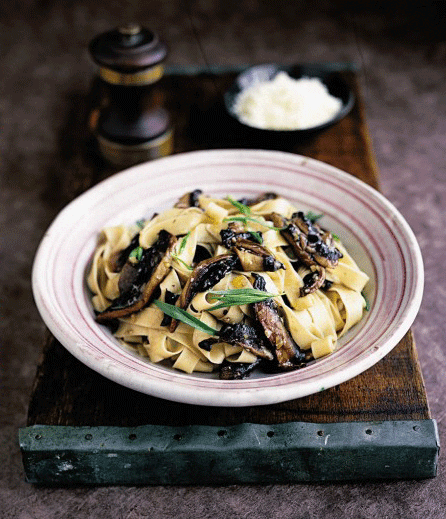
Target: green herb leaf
(244, 209)
(189, 267)
(257, 236)
(137, 253)
(335, 236)
(238, 297)
(183, 243)
(141, 223)
(313, 217)
(367, 302)
(181, 249)
(184, 317)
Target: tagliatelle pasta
(219, 284)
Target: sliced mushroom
(237, 370)
(189, 199)
(242, 335)
(202, 253)
(204, 276)
(314, 280)
(319, 242)
(291, 232)
(254, 257)
(311, 245)
(142, 279)
(260, 198)
(171, 299)
(118, 260)
(236, 231)
(288, 353)
(128, 277)
(327, 284)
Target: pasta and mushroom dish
(227, 285)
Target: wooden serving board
(85, 429)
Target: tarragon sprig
(257, 236)
(238, 297)
(244, 209)
(313, 217)
(367, 302)
(136, 253)
(185, 317)
(226, 298)
(181, 249)
(185, 265)
(183, 242)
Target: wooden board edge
(293, 452)
(417, 367)
(371, 157)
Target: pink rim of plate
(374, 231)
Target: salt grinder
(132, 125)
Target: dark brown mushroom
(312, 246)
(254, 257)
(288, 353)
(293, 236)
(260, 198)
(169, 298)
(118, 260)
(189, 199)
(314, 280)
(237, 370)
(319, 242)
(242, 335)
(204, 276)
(142, 279)
(236, 231)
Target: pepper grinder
(131, 123)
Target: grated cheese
(284, 103)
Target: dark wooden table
(83, 428)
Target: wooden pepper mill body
(132, 124)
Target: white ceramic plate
(374, 232)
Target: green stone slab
(246, 453)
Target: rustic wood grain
(66, 392)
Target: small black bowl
(259, 73)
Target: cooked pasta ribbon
(317, 294)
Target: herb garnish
(244, 209)
(189, 267)
(238, 297)
(181, 249)
(141, 223)
(183, 243)
(226, 298)
(313, 217)
(137, 253)
(185, 317)
(257, 236)
(367, 303)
